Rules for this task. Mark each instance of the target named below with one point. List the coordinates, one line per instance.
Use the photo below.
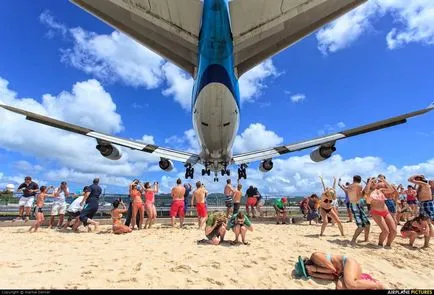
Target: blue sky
(373, 63)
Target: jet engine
(266, 165)
(165, 165)
(109, 151)
(322, 153)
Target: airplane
(216, 42)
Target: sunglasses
(327, 201)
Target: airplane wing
(101, 137)
(168, 27)
(261, 28)
(325, 141)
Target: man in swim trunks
(177, 207)
(347, 200)
(40, 199)
(280, 207)
(199, 196)
(229, 202)
(237, 198)
(59, 204)
(416, 227)
(354, 192)
(240, 224)
(424, 195)
(188, 189)
(215, 229)
(251, 201)
(29, 189)
(313, 205)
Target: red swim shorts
(201, 209)
(251, 201)
(177, 208)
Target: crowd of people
(386, 204)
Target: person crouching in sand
(40, 199)
(418, 226)
(215, 229)
(346, 271)
(240, 224)
(116, 213)
(280, 207)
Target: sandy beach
(170, 258)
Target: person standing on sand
(259, 202)
(151, 211)
(177, 207)
(29, 189)
(251, 201)
(425, 197)
(313, 206)
(90, 202)
(347, 200)
(354, 192)
(379, 211)
(229, 202)
(327, 197)
(237, 198)
(391, 196)
(40, 199)
(188, 189)
(199, 196)
(59, 205)
(138, 207)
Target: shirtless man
(347, 200)
(425, 197)
(177, 207)
(40, 199)
(390, 197)
(237, 198)
(199, 196)
(354, 192)
(229, 202)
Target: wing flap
(264, 28)
(170, 28)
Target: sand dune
(165, 257)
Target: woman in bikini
(40, 200)
(151, 211)
(137, 204)
(116, 213)
(346, 271)
(326, 210)
(376, 189)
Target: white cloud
(256, 137)
(412, 23)
(253, 82)
(116, 57)
(328, 128)
(66, 149)
(298, 98)
(187, 142)
(27, 167)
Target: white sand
(164, 257)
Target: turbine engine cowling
(266, 165)
(322, 153)
(109, 151)
(165, 165)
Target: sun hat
(300, 268)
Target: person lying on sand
(416, 227)
(240, 223)
(345, 271)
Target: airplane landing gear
(226, 172)
(242, 173)
(189, 171)
(216, 179)
(206, 172)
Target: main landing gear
(242, 173)
(206, 172)
(189, 171)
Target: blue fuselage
(216, 98)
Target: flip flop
(201, 242)
(246, 243)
